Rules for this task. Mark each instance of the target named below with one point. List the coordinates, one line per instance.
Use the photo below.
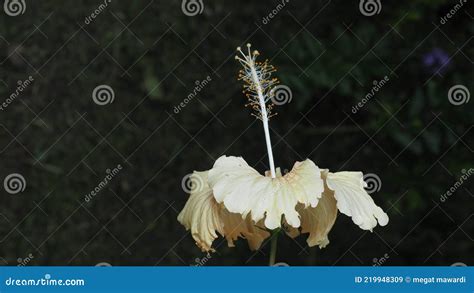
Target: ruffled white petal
(354, 201)
(317, 221)
(243, 190)
(235, 227)
(204, 217)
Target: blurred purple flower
(436, 61)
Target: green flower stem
(273, 246)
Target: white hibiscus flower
(234, 200)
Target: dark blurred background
(58, 143)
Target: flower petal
(235, 226)
(354, 201)
(243, 190)
(204, 216)
(201, 213)
(317, 221)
